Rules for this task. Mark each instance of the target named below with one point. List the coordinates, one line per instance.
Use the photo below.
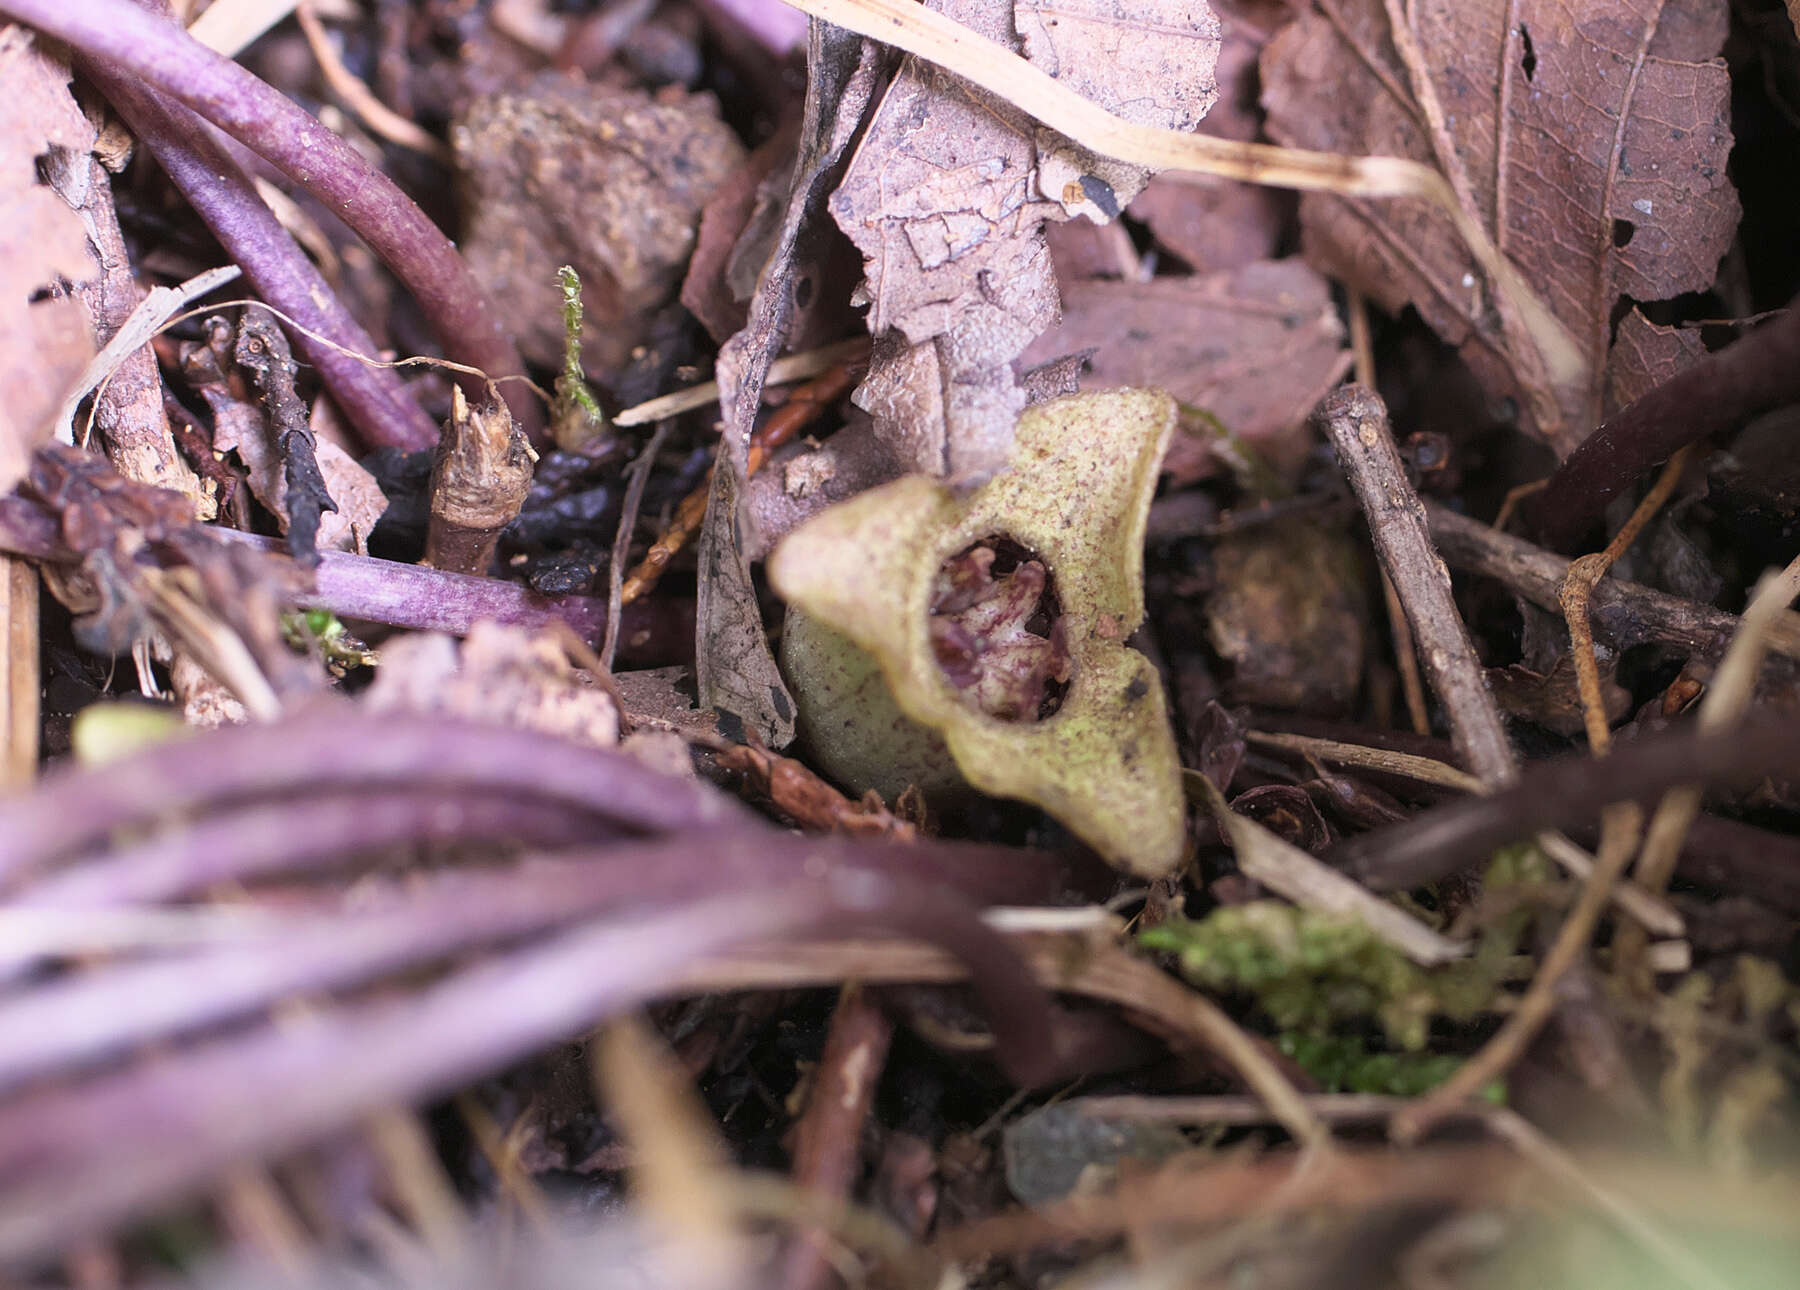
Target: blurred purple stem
(79, 1019)
(335, 746)
(292, 835)
(81, 1157)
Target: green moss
(1311, 971)
(1319, 976)
(576, 416)
(1345, 1064)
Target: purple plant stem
(162, 55)
(1758, 371)
(410, 596)
(334, 746)
(82, 1157)
(1564, 793)
(375, 400)
(292, 835)
(421, 599)
(77, 1020)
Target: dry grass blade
(1426, 770)
(18, 672)
(1618, 842)
(783, 371)
(938, 39)
(1078, 962)
(1284, 868)
(155, 312)
(1654, 914)
(680, 1181)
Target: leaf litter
(1594, 152)
(361, 895)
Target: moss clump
(1316, 974)
(1311, 971)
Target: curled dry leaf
(1591, 142)
(1255, 347)
(947, 196)
(43, 342)
(242, 427)
(736, 670)
(1075, 498)
(1644, 355)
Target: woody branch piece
(1356, 422)
(478, 485)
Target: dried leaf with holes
(934, 599)
(43, 343)
(1591, 142)
(947, 197)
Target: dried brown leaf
(736, 670)
(1255, 347)
(1590, 141)
(1214, 223)
(948, 193)
(43, 343)
(1644, 355)
(241, 426)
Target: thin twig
(783, 371)
(638, 475)
(1533, 1146)
(1725, 704)
(1503, 1123)
(1563, 793)
(359, 98)
(1356, 422)
(1654, 913)
(1578, 590)
(426, 1194)
(804, 405)
(515, 1183)
(828, 1135)
(1495, 1058)
(1406, 658)
(1629, 614)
